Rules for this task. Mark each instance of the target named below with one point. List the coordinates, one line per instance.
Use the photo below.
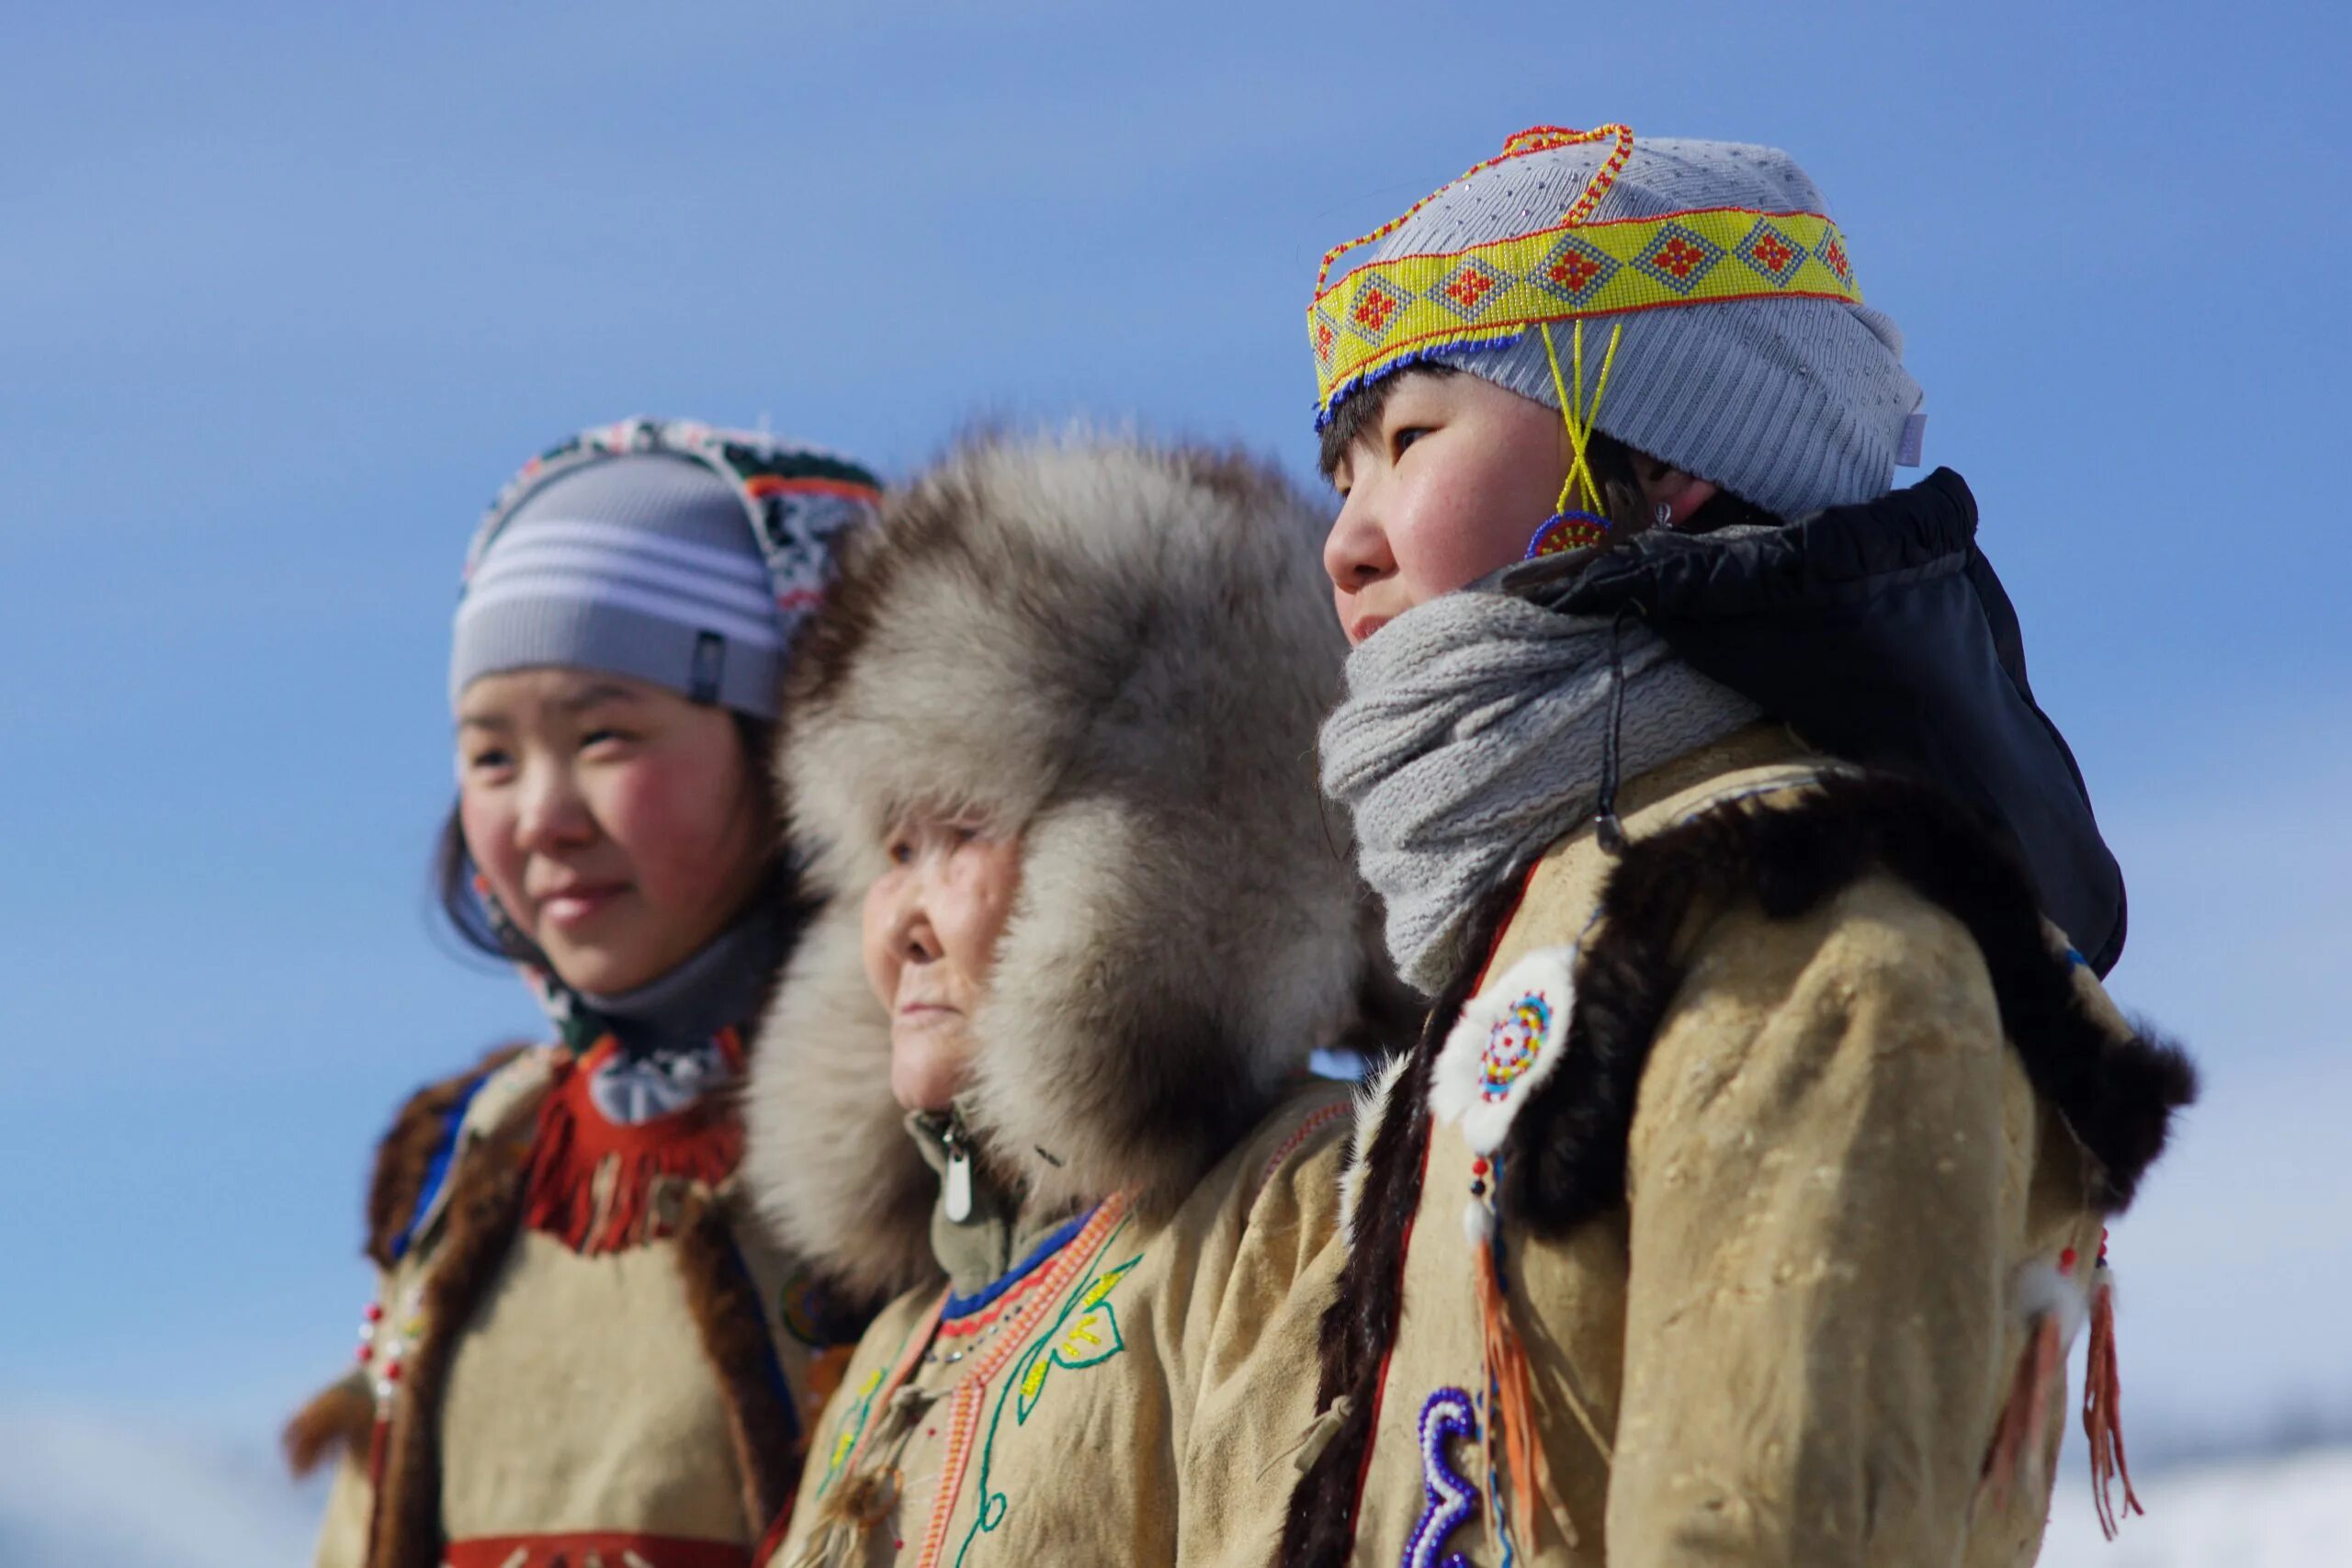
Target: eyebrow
(593, 697)
(570, 706)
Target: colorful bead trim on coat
(956, 1315)
(436, 1169)
(1084, 1333)
(1503, 1046)
(1384, 313)
(1450, 1496)
(1300, 1136)
(964, 1412)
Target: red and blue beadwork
(1566, 531)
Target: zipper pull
(959, 1172)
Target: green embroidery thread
(846, 1430)
(1085, 1333)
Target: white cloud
(77, 1490)
(2291, 1513)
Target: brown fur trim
(769, 1442)
(2116, 1089)
(485, 1210)
(406, 1153)
(337, 1422)
(1360, 1325)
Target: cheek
(1450, 534)
(681, 828)
(876, 946)
(970, 912)
(488, 822)
(1458, 521)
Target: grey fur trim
(1122, 653)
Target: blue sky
(286, 294)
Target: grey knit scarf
(1472, 738)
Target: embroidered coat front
(573, 1354)
(1758, 1175)
(1126, 1392)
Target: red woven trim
(616, 1548)
(759, 485)
(591, 1181)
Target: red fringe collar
(600, 1185)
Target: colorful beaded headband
(1387, 313)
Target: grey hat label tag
(1914, 437)
(709, 665)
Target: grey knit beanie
(1747, 357)
(665, 551)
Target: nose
(1356, 552)
(907, 932)
(553, 816)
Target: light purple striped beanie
(668, 551)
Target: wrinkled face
(1449, 483)
(617, 823)
(932, 924)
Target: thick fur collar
(1121, 653)
(2116, 1086)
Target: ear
(1662, 485)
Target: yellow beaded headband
(1388, 313)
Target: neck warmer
(1477, 729)
(667, 1033)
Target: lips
(582, 902)
(1359, 630)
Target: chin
(603, 971)
(923, 1078)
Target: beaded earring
(1570, 526)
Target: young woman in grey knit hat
(1749, 1183)
(577, 1350)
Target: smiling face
(618, 823)
(932, 924)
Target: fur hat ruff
(1121, 652)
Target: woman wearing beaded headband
(1744, 1192)
(576, 1352)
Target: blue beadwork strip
(964, 1306)
(436, 1170)
(1327, 412)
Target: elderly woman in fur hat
(1039, 1071)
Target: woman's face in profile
(931, 923)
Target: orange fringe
(2103, 1408)
(592, 1182)
(2025, 1419)
(1525, 1464)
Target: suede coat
(1739, 1203)
(1117, 654)
(553, 1379)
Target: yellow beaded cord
(1580, 420)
